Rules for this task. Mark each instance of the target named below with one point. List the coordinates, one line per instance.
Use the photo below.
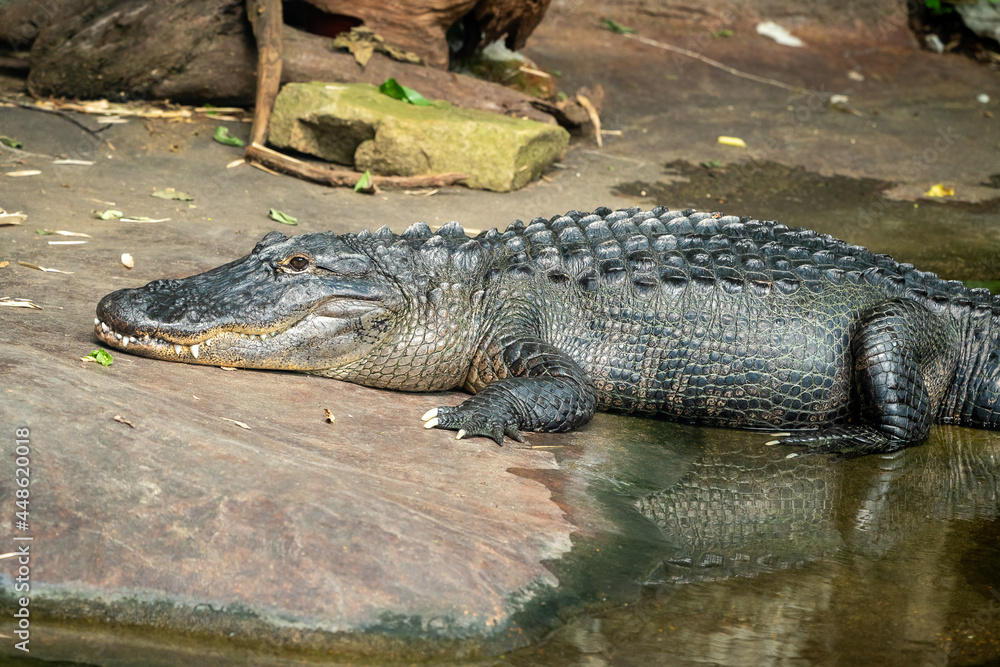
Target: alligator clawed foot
(472, 422)
(846, 440)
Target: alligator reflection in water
(876, 559)
(738, 513)
(742, 512)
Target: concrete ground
(157, 519)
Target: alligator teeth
(96, 321)
(177, 348)
(194, 350)
(124, 342)
(105, 328)
(263, 336)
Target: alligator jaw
(223, 347)
(157, 347)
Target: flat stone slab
(355, 124)
(290, 528)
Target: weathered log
(414, 25)
(421, 26)
(203, 51)
(126, 50)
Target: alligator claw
(844, 439)
(473, 421)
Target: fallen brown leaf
(122, 420)
(240, 424)
(40, 268)
(18, 303)
(11, 218)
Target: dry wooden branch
(715, 63)
(266, 19)
(337, 176)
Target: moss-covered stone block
(355, 124)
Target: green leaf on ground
(110, 214)
(170, 193)
(722, 33)
(223, 137)
(398, 91)
(615, 26)
(103, 357)
(365, 184)
(283, 218)
(8, 141)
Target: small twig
(238, 423)
(15, 302)
(715, 63)
(594, 118)
(64, 116)
(257, 154)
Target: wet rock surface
(153, 506)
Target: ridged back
(647, 252)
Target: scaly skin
(693, 316)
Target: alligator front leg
(903, 361)
(544, 390)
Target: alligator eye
(298, 263)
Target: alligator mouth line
(107, 334)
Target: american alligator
(693, 316)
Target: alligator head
(375, 308)
(305, 303)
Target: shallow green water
(758, 559)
